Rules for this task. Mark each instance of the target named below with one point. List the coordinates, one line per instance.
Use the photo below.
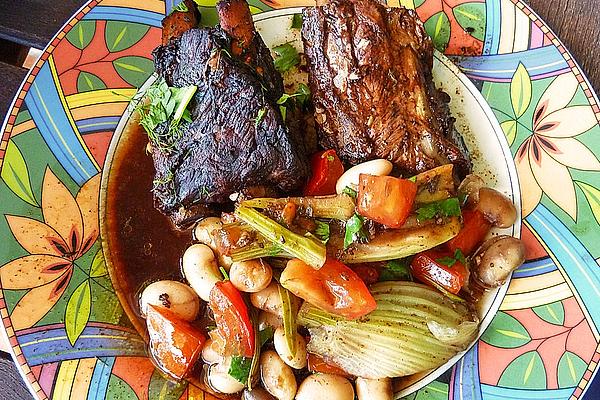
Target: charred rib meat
(236, 138)
(370, 75)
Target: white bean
(266, 319)
(374, 389)
(204, 232)
(200, 269)
(379, 167)
(210, 354)
(267, 299)
(250, 276)
(297, 361)
(276, 376)
(176, 296)
(220, 380)
(325, 387)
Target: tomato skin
(232, 319)
(326, 170)
(475, 229)
(386, 199)
(367, 273)
(175, 344)
(334, 287)
(318, 364)
(426, 268)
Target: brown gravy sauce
(144, 246)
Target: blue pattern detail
(466, 378)
(51, 119)
(535, 268)
(100, 378)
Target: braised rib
(370, 76)
(237, 137)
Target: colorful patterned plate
(64, 322)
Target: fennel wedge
(413, 329)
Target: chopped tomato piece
(385, 199)
(334, 287)
(232, 319)
(475, 229)
(440, 268)
(175, 344)
(318, 364)
(326, 170)
(368, 273)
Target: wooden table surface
(32, 23)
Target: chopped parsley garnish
(355, 231)
(157, 105)
(302, 94)
(240, 368)
(322, 231)
(350, 192)
(260, 116)
(283, 112)
(413, 179)
(181, 7)
(443, 208)
(287, 57)
(450, 261)
(396, 270)
(297, 21)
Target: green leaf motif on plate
(570, 370)
(525, 372)
(433, 391)
(520, 90)
(505, 331)
(82, 34)
(553, 313)
(419, 3)
(122, 35)
(438, 27)
(471, 17)
(87, 82)
(119, 389)
(98, 268)
(592, 196)
(77, 313)
(164, 389)
(510, 130)
(15, 174)
(134, 69)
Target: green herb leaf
(302, 94)
(287, 57)
(450, 261)
(350, 192)
(260, 116)
(181, 7)
(396, 270)
(443, 208)
(240, 368)
(283, 112)
(159, 104)
(322, 231)
(297, 21)
(224, 272)
(412, 179)
(265, 335)
(355, 231)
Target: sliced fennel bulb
(413, 329)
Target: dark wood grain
(11, 78)
(577, 24)
(34, 22)
(12, 386)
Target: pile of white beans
(201, 262)
(200, 265)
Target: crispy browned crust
(236, 20)
(178, 22)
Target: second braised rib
(370, 75)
